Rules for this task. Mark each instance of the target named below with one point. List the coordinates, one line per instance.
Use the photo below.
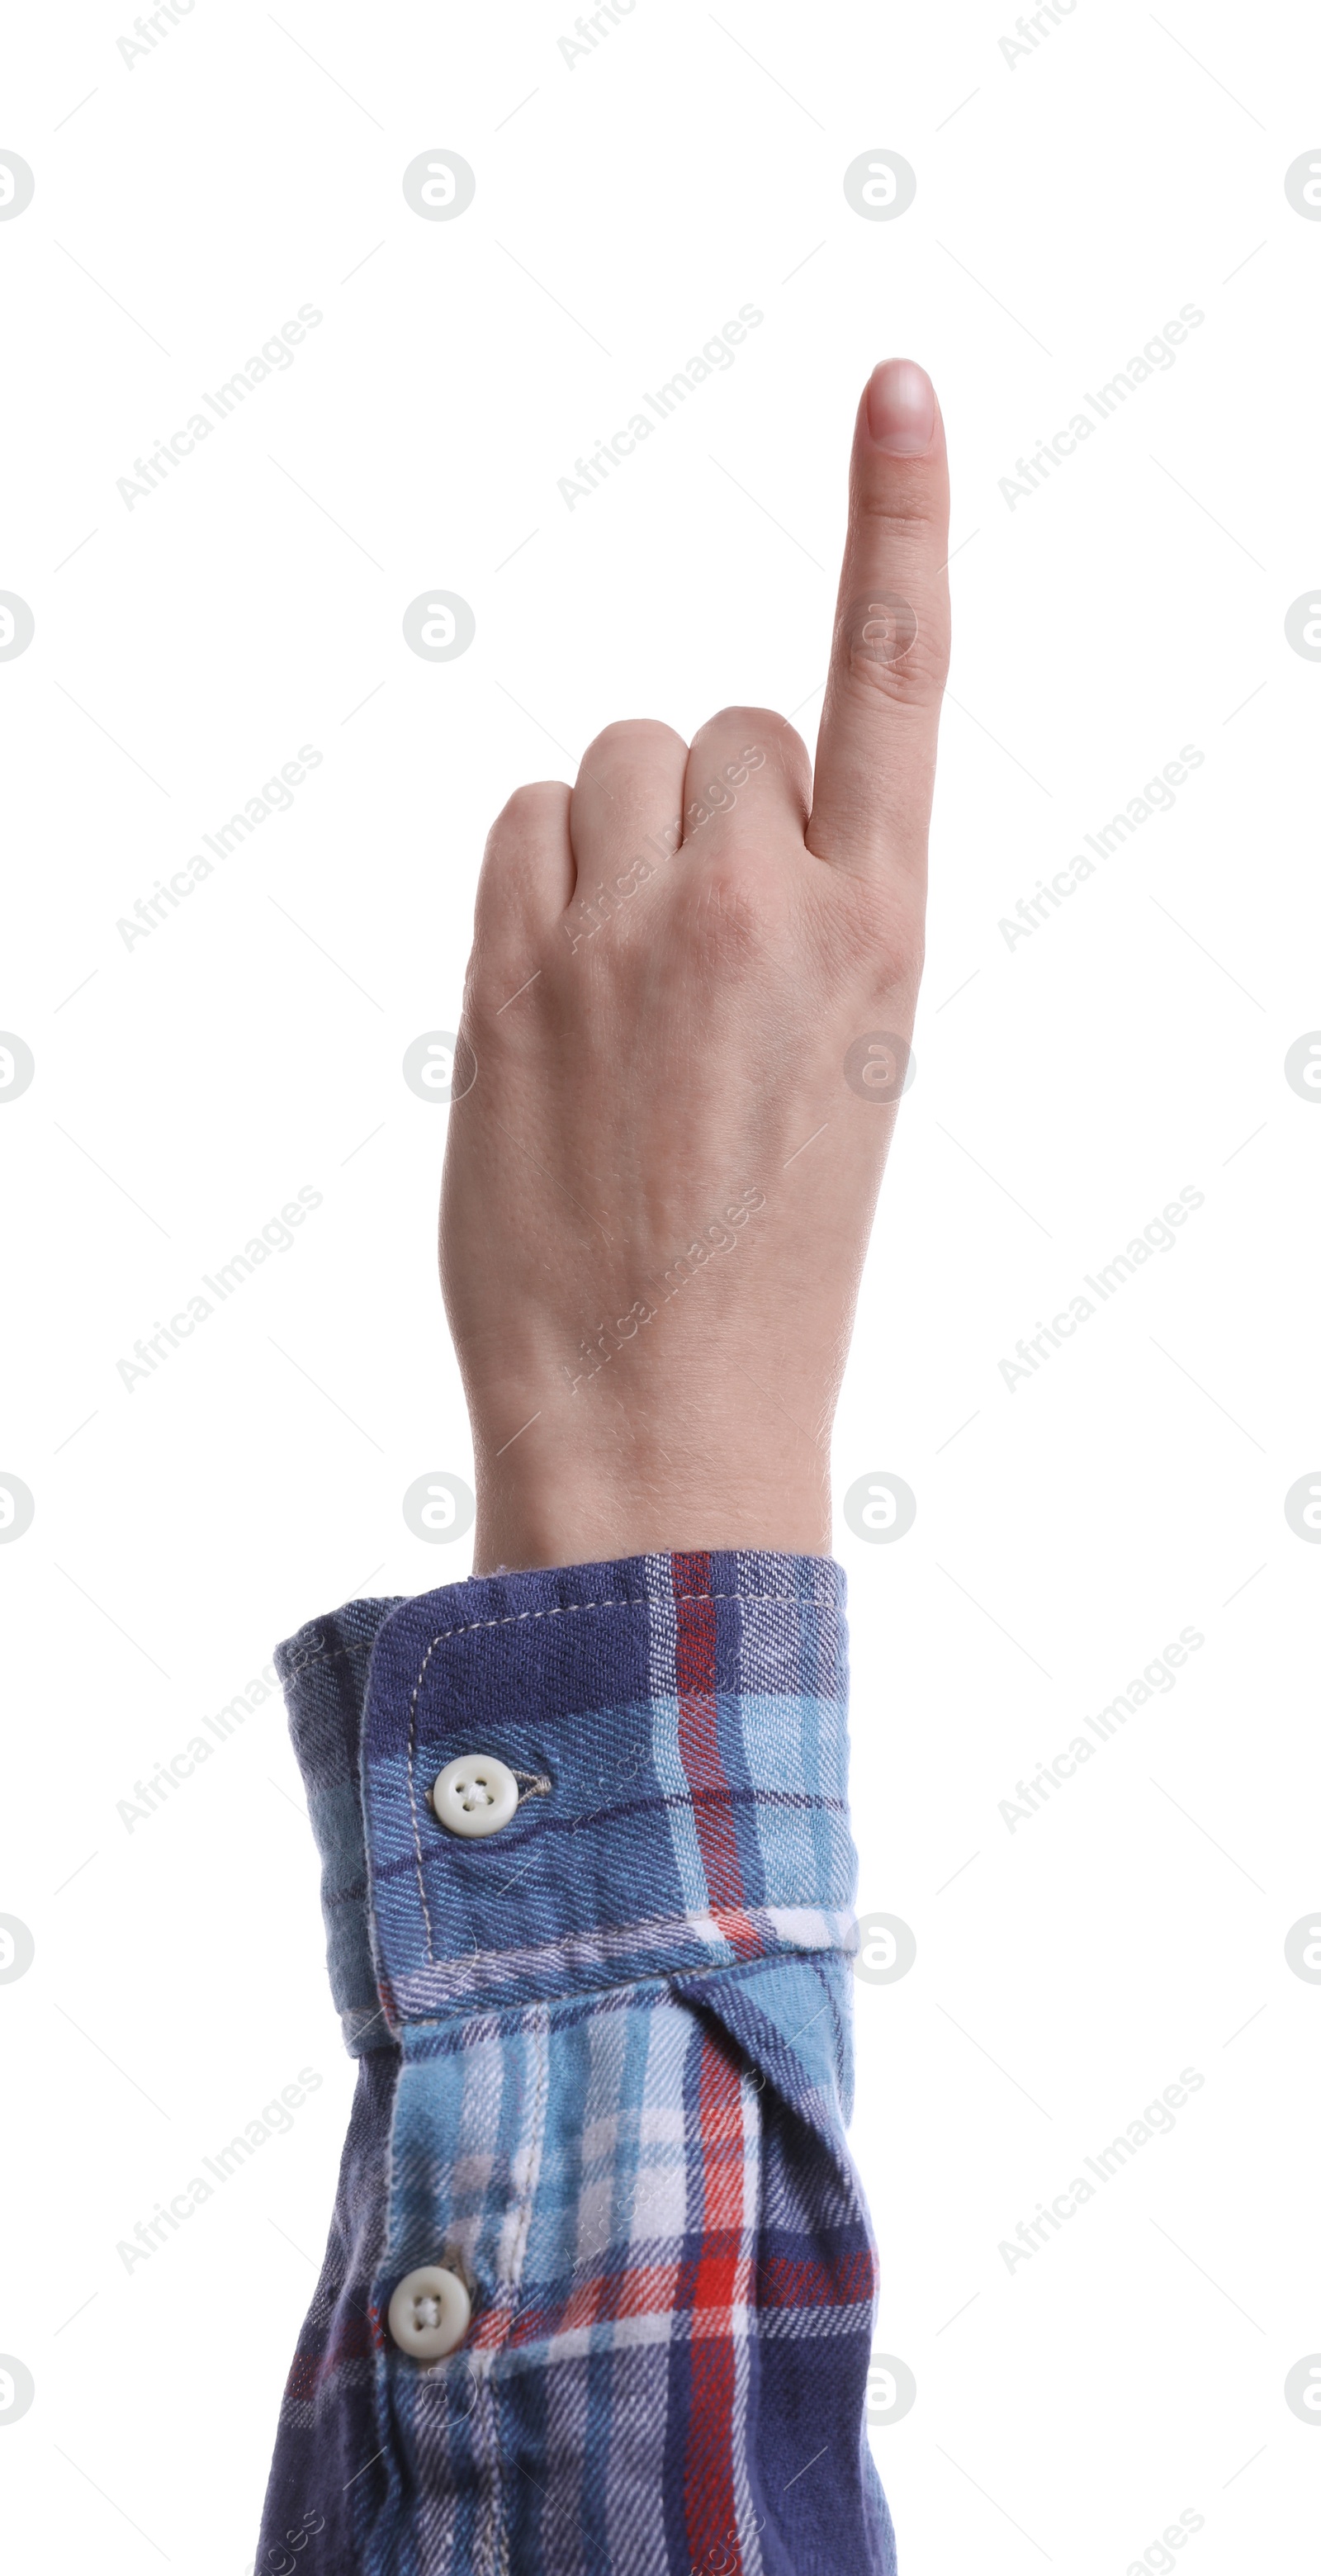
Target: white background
(1066, 1971)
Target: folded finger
(626, 813)
(743, 763)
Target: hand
(660, 1181)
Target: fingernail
(901, 408)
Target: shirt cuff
(677, 1726)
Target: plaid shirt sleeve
(604, 2076)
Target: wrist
(572, 1509)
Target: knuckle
(891, 650)
(739, 741)
(877, 923)
(634, 734)
(733, 914)
(758, 728)
(749, 720)
(909, 504)
(533, 809)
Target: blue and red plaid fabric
(605, 2073)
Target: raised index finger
(876, 750)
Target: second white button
(475, 1795)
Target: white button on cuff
(475, 1795)
(429, 2313)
